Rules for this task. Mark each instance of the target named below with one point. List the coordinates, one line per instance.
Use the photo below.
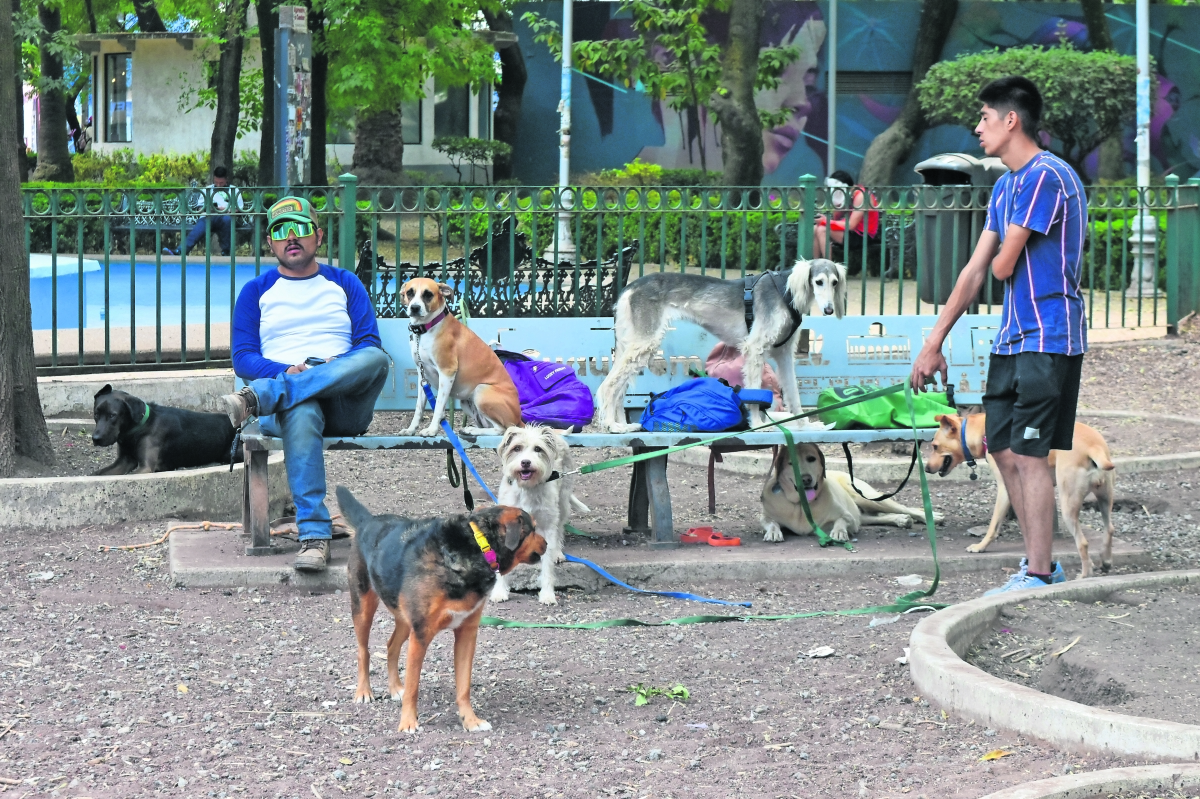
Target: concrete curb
(939, 641)
(48, 503)
(193, 389)
(885, 470)
(1098, 783)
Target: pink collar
(425, 328)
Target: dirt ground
(1101, 668)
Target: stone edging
(937, 669)
(213, 492)
(1172, 776)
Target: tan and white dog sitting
(530, 457)
(835, 506)
(456, 363)
(1085, 468)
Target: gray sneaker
(241, 406)
(313, 555)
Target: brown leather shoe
(240, 406)
(313, 555)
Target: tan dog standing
(456, 363)
(1086, 467)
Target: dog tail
(579, 506)
(352, 509)
(1099, 454)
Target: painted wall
(611, 127)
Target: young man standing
(1037, 220)
(306, 341)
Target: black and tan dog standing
(432, 575)
(157, 438)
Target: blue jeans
(221, 226)
(331, 399)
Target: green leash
(903, 604)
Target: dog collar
(488, 553)
(425, 328)
(145, 418)
(970, 458)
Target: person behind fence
(306, 342)
(859, 225)
(1036, 220)
(224, 197)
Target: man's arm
(246, 342)
(930, 361)
(1014, 241)
(364, 329)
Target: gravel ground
(1186, 793)
(116, 684)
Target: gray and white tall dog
(649, 304)
(529, 456)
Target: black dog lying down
(157, 438)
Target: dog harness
(430, 325)
(488, 553)
(970, 458)
(748, 300)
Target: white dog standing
(769, 326)
(530, 456)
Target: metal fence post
(349, 219)
(1174, 223)
(1183, 259)
(808, 216)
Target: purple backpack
(550, 393)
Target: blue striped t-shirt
(1043, 304)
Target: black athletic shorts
(1030, 402)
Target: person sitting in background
(224, 197)
(850, 221)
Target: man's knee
(306, 417)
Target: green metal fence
(106, 295)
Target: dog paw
(364, 697)
(475, 724)
(431, 431)
(839, 535)
(410, 727)
(499, 594)
(938, 518)
(904, 521)
(411, 431)
(620, 427)
(773, 534)
(976, 548)
(558, 557)
(1104, 567)
(547, 598)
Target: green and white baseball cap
(297, 209)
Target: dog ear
(555, 442)
(106, 390)
(784, 477)
(446, 291)
(801, 286)
(821, 455)
(841, 293)
(514, 524)
(508, 437)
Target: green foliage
(644, 693)
(122, 168)
(476, 152)
(688, 73)
(383, 51)
(250, 84)
(1087, 96)
(639, 173)
(1108, 261)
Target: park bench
(144, 216)
(874, 351)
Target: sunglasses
(281, 231)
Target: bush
(639, 173)
(123, 168)
(1099, 272)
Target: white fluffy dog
(529, 456)
(836, 507)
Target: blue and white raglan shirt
(280, 321)
(1043, 304)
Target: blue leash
(462, 453)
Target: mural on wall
(612, 125)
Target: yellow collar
(488, 553)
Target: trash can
(946, 238)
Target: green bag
(882, 412)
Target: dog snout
(414, 309)
(807, 480)
(525, 464)
(828, 309)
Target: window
(451, 110)
(410, 121)
(118, 96)
(485, 111)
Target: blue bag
(703, 405)
(550, 393)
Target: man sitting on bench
(306, 340)
(224, 197)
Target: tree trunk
(19, 144)
(53, 157)
(229, 99)
(733, 101)
(1112, 159)
(513, 76)
(147, 16)
(379, 149)
(318, 113)
(22, 425)
(268, 21)
(91, 16)
(892, 146)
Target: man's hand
(929, 362)
(297, 369)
